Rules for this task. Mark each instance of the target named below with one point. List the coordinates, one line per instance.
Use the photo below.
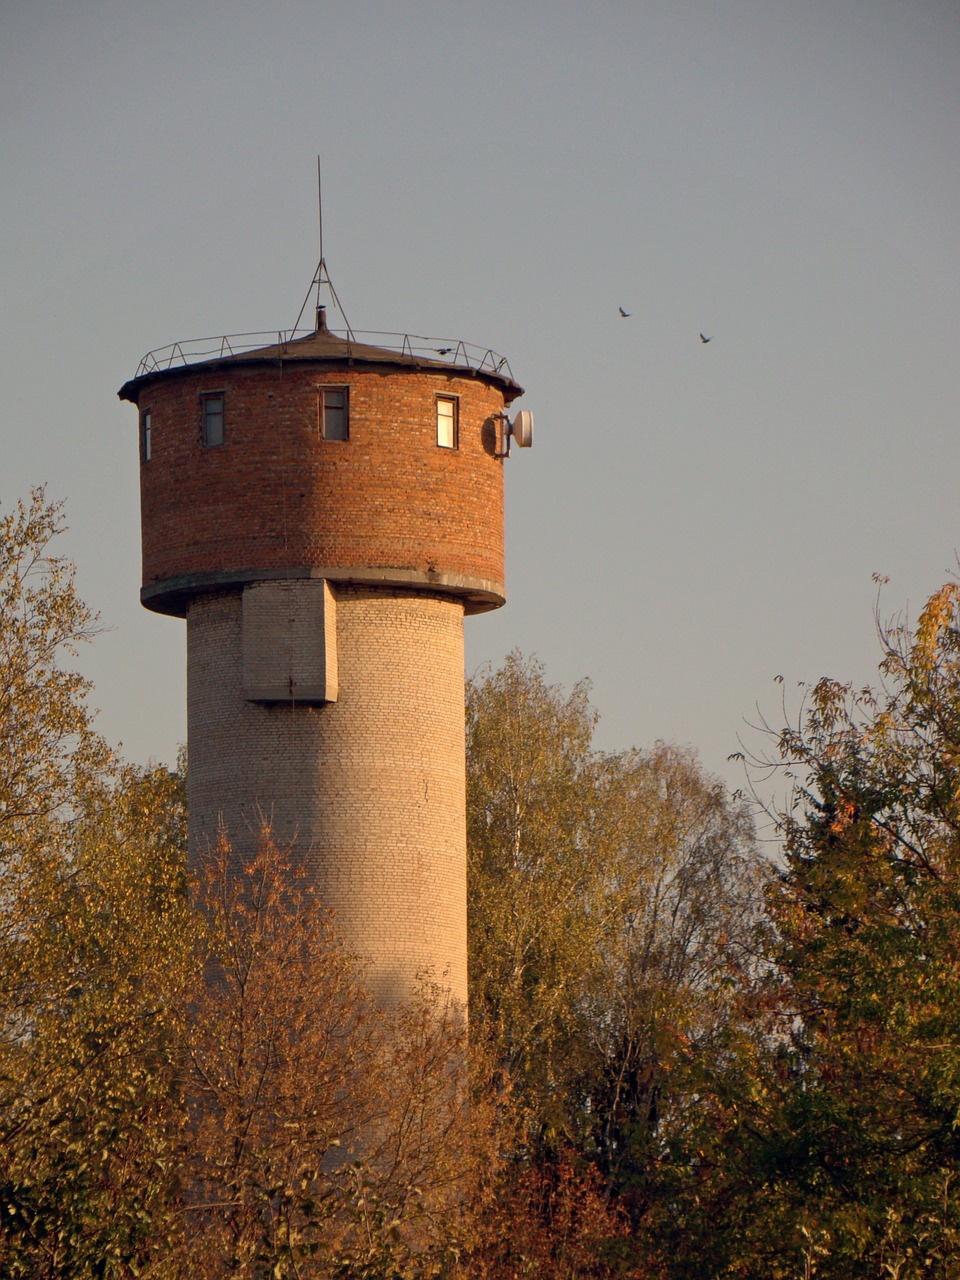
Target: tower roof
(322, 346)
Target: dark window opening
(334, 413)
(212, 415)
(146, 435)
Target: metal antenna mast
(321, 276)
(319, 218)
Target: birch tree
(611, 895)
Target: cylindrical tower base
(368, 788)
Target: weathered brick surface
(370, 788)
(290, 641)
(275, 496)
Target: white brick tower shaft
(369, 788)
(324, 513)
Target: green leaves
(846, 1151)
(93, 959)
(611, 897)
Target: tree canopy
(611, 900)
(49, 750)
(827, 1139)
(683, 1060)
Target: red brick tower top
(322, 457)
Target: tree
(91, 887)
(828, 1139)
(211, 1092)
(530, 808)
(48, 748)
(611, 897)
(868, 916)
(683, 892)
(207, 1090)
(189, 1092)
(93, 961)
(326, 1135)
(555, 1220)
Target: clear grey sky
(693, 520)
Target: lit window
(334, 413)
(146, 434)
(211, 429)
(446, 422)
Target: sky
(694, 519)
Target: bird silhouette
(443, 351)
(626, 314)
(703, 339)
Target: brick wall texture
(407, 536)
(289, 635)
(276, 496)
(369, 788)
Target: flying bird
(703, 339)
(626, 314)
(443, 351)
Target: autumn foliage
(683, 1060)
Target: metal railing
(452, 351)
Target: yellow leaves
(938, 614)
(91, 962)
(603, 955)
(828, 700)
(301, 1094)
(48, 750)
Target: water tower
(323, 512)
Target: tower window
(447, 422)
(211, 418)
(146, 434)
(334, 413)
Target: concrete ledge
(172, 595)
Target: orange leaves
(552, 1221)
(327, 1135)
(844, 816)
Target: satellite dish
(522, 429)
